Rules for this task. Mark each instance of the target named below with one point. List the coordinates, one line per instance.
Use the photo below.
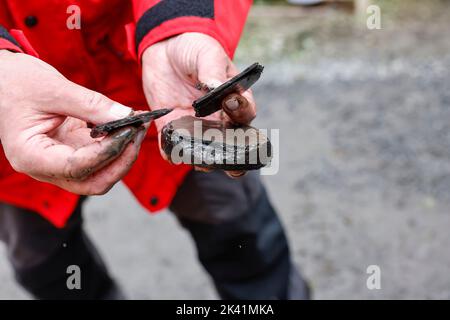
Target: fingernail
(120, 139)
(119, 111)
(126, 134)
(236, 174)
(200, 169)
(232, 104)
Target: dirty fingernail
(125, 135)
(200, 169)
(236, 174)
(232, 104)
(119, 111)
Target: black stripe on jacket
(6, 35)
(171, 9)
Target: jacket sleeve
(157, 20)
(8, 42)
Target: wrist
(188, 43)
(152, 51)
(5, 52)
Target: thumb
(79, 102)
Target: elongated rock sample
(212, 101)
(135, 120)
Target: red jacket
(103, 56)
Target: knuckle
(16, 165)
(76, 173)
(98, 192)
(100, 189)
(94, 101)
(13, 153)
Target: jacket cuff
(173, 17)
(8, 42)
(178, 26)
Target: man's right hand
(43, 128)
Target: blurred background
(364, 176)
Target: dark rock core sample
(215, 144)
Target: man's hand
(172, 70)
(43, 128)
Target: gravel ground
(364, 160)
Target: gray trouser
(239, 239)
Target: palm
(72, 132)
(173, 87)
(173, 69)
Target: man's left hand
(172, 70)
